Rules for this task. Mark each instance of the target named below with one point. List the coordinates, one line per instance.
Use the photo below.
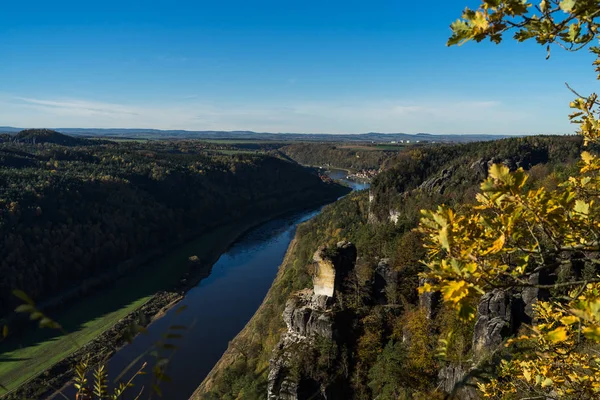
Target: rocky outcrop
(437, 184)
(332, 266)
(394, 216)
(495, 321)
(480, 168)
(308, 315)
(451, 378)
(429, 301)
(384, 279)
(531, 295)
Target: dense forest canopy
(340, 155)
(70, 211)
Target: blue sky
(276, 66)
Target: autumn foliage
(514, 232)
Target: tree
(513, 233)
(387, 377)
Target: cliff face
(500, 314)
(310, 316)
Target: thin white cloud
(78, 106)
(344, 116)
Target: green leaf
(547, 382)
(35, 315)
(466, 312)
(461, 32)
(28, 308)
(581, 207)
(172, 336)
(178, 327)
(156, 389)
(567, 5)
(574, 30)
(5, 331)
(444, 239)
(492, 3)
(48, 323)
(21, 294)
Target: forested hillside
(382, 336)
(69, 212)
(350, 156)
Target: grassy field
(373, 147)
(37, 350)
(238, 151)
(242, 141)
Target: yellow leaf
(587, 157)
(499, 172)
(497, 246)
(557, 335)
(455, 291)
(569, 320)
(592, 333)
(479, 21)
(425, 288)
(444, 240)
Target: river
(219, 306)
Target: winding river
(220, 305)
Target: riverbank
(151, 304)
(233, 352)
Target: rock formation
(429, 301)
(308, 315)
(451, 381)
(438, 183)
(495, 321)
(332, 266)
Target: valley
(156, 277)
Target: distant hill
(250, 135)
(48, 136)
